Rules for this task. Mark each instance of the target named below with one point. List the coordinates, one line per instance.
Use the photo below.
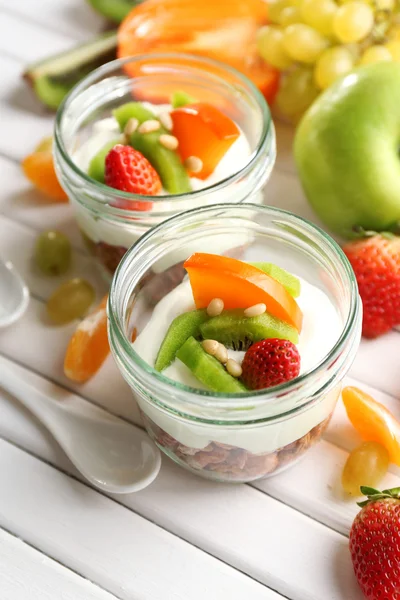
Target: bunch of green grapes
(316, 41)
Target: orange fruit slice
(39, 169)
(239, 285)
(224, 30)
(203, 131)
(373, 421)
(88, 348)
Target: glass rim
(254, 398)
(99, 187)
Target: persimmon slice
(373, 421)
(88, 347)
(39, 169)
(239, 285)
(204, 131)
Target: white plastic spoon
(14, 295)
(113, 455)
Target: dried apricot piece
(39, 169)
(88, 348)
(373, 421)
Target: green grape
(332, 63)
(52, 252)
(375, 54)
(296, 93)
(70, 301)
(366, 465)
(302, 43)
(290, 15)
(275, 7)
(353, 22)
(319, 14)
(270, 47)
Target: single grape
(296, 93)
(375, 54)
(332, 63)
(52, 252)
(353, 22)
(319, 14)
(275, 8)
(70, 301)
(270, 47)
(366, 465)
(394, 48)
(302, 43)
(290, 15)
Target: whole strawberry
(376, 264)
(128, 170)
(270, 362)
(375, 544)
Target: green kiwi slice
(207, 369)
(238, 332)
(97, 165)
(182, 327)
(289, 281)
(132, 110)
(180, 98)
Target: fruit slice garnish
(207, 369)
(180, 98)
(289, 281)
(88, 347)
(373, 421)
(39, 169)
(132, 110)
(182, 327)
(239, 285)
(224, 30)
(238, 332)
(203, 131)
(97, 165)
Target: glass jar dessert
(204, 128)
(243, 434)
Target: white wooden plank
(73, 18)
(103, 541)
(27, 573)
(238, 524)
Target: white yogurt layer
(105, 131)
(321, 330)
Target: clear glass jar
(108, 230)
(228, 437)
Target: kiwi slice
(180, 98)
(97, 165)
(132, 110)
(115, 10)
(289, 281)
(182, 327)
(207, 369)
(238, 332)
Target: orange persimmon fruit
(239, 285)
(88, 347)
(373, 421)
(39, 169)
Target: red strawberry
(375, 544)
(270, 362)
(376, 264)
(129, 171)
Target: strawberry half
(375, 544)
(270, 362)
(376, 264)
(128, 170)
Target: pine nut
(168, 141)
(233, 368)
(166, 120)
(194, 164)
(215, 307)
(131, 127)
(149, 126)
(210, 346)
(255, 311)
(221, 354)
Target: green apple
(347, 150)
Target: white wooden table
(182, 538)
